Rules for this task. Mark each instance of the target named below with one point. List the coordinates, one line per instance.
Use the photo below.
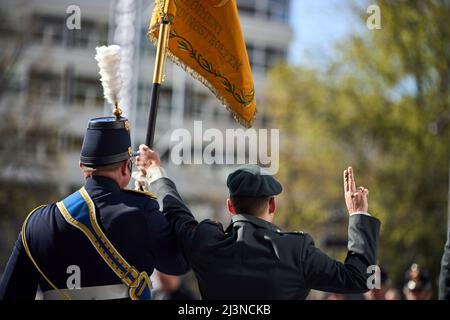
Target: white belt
(116, 291)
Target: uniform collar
(103, 182)
(254, 220)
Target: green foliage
(372, 108)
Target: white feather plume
(108, 59)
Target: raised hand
(355, 199)
(147, 158)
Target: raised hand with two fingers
(356, 199)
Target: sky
(318, 25)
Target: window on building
(48, 29)
(278, 10)
(87, 92)
(92, 34)
(273, 56)
(194, 101)
(165, 99)
(257, 61)
(247, 6)
(147, 48)
(250, 50)
(267, 9)
(70, 142)
(53, 30)
(44, 85)
(217, 112)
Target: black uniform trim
(98, 161)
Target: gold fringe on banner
(221, 26)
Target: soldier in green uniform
(254, 259)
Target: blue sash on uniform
(78, 209)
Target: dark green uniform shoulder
(300, 233)
(143, 193)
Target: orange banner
(206, 40)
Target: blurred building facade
(51, 88)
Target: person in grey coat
(444, 277)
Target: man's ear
(82, 168)
(272, 205)
(230, 207)
(124, 168)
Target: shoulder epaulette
(214, 222)
(291, 232)
(144, 193)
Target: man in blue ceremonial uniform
(101, 242)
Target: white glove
(142, 181)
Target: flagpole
(158, 75)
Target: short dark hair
(250, 205)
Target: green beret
(252, 181)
